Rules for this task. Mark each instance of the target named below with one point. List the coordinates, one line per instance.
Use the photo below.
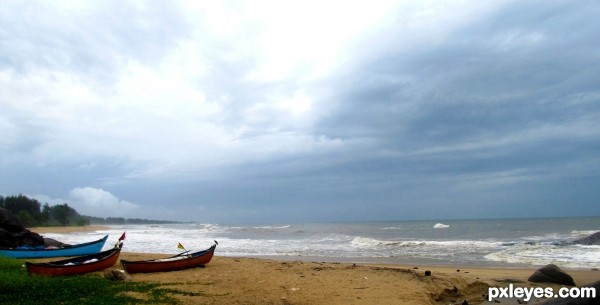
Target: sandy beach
(231, 280)
(43, 230)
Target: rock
(13, 234)
(551, 274)
(593, 239)
(9, 222)
(116, 275)
(49, 242)
(427, 273)
(7, 240)
(31, 239)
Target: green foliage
(24, 206)
(28, 211)
(25, 218)
(18, 288)
(62, 213)
(81, 222)
(32, 214)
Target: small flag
(119, 243)
(180, 246)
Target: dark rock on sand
(578, 301)
(551, 274)
(593, 239)
(50, 242)
(14, 234)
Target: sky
(302, 111)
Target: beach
(243, 280)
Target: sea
(485, 242)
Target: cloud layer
(311, 111)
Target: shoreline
(68, 229)
(318, 280)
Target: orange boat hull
(170, 264)
(77, 265)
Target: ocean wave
(440, 226)
(576, 234)
(249, 228)
(450, 244)
(371, 242)
(398, 242)
(272, 227)
(574, 256)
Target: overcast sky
(281, 111)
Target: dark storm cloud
(481, 111)
(496, 79)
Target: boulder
(14, 234)
(7, 240)
(551, 274)
(9, 222)
(50, 242)
(593, 239)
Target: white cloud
(105, 92)
(94, 202)
(158, 114)
(98, 202)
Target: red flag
(122, 237)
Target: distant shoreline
(67, 229)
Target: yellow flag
(180, 246)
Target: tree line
(31, 213)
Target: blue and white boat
(73, 250)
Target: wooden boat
(177, 262)
(73, 250)
(78, 265)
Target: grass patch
(18, 288)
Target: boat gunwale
(191, 256)
(67, 247)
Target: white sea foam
(273, 227)
(440, 226)
(502, 242)
(570, 256)
(370, 242)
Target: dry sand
(229, 280)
